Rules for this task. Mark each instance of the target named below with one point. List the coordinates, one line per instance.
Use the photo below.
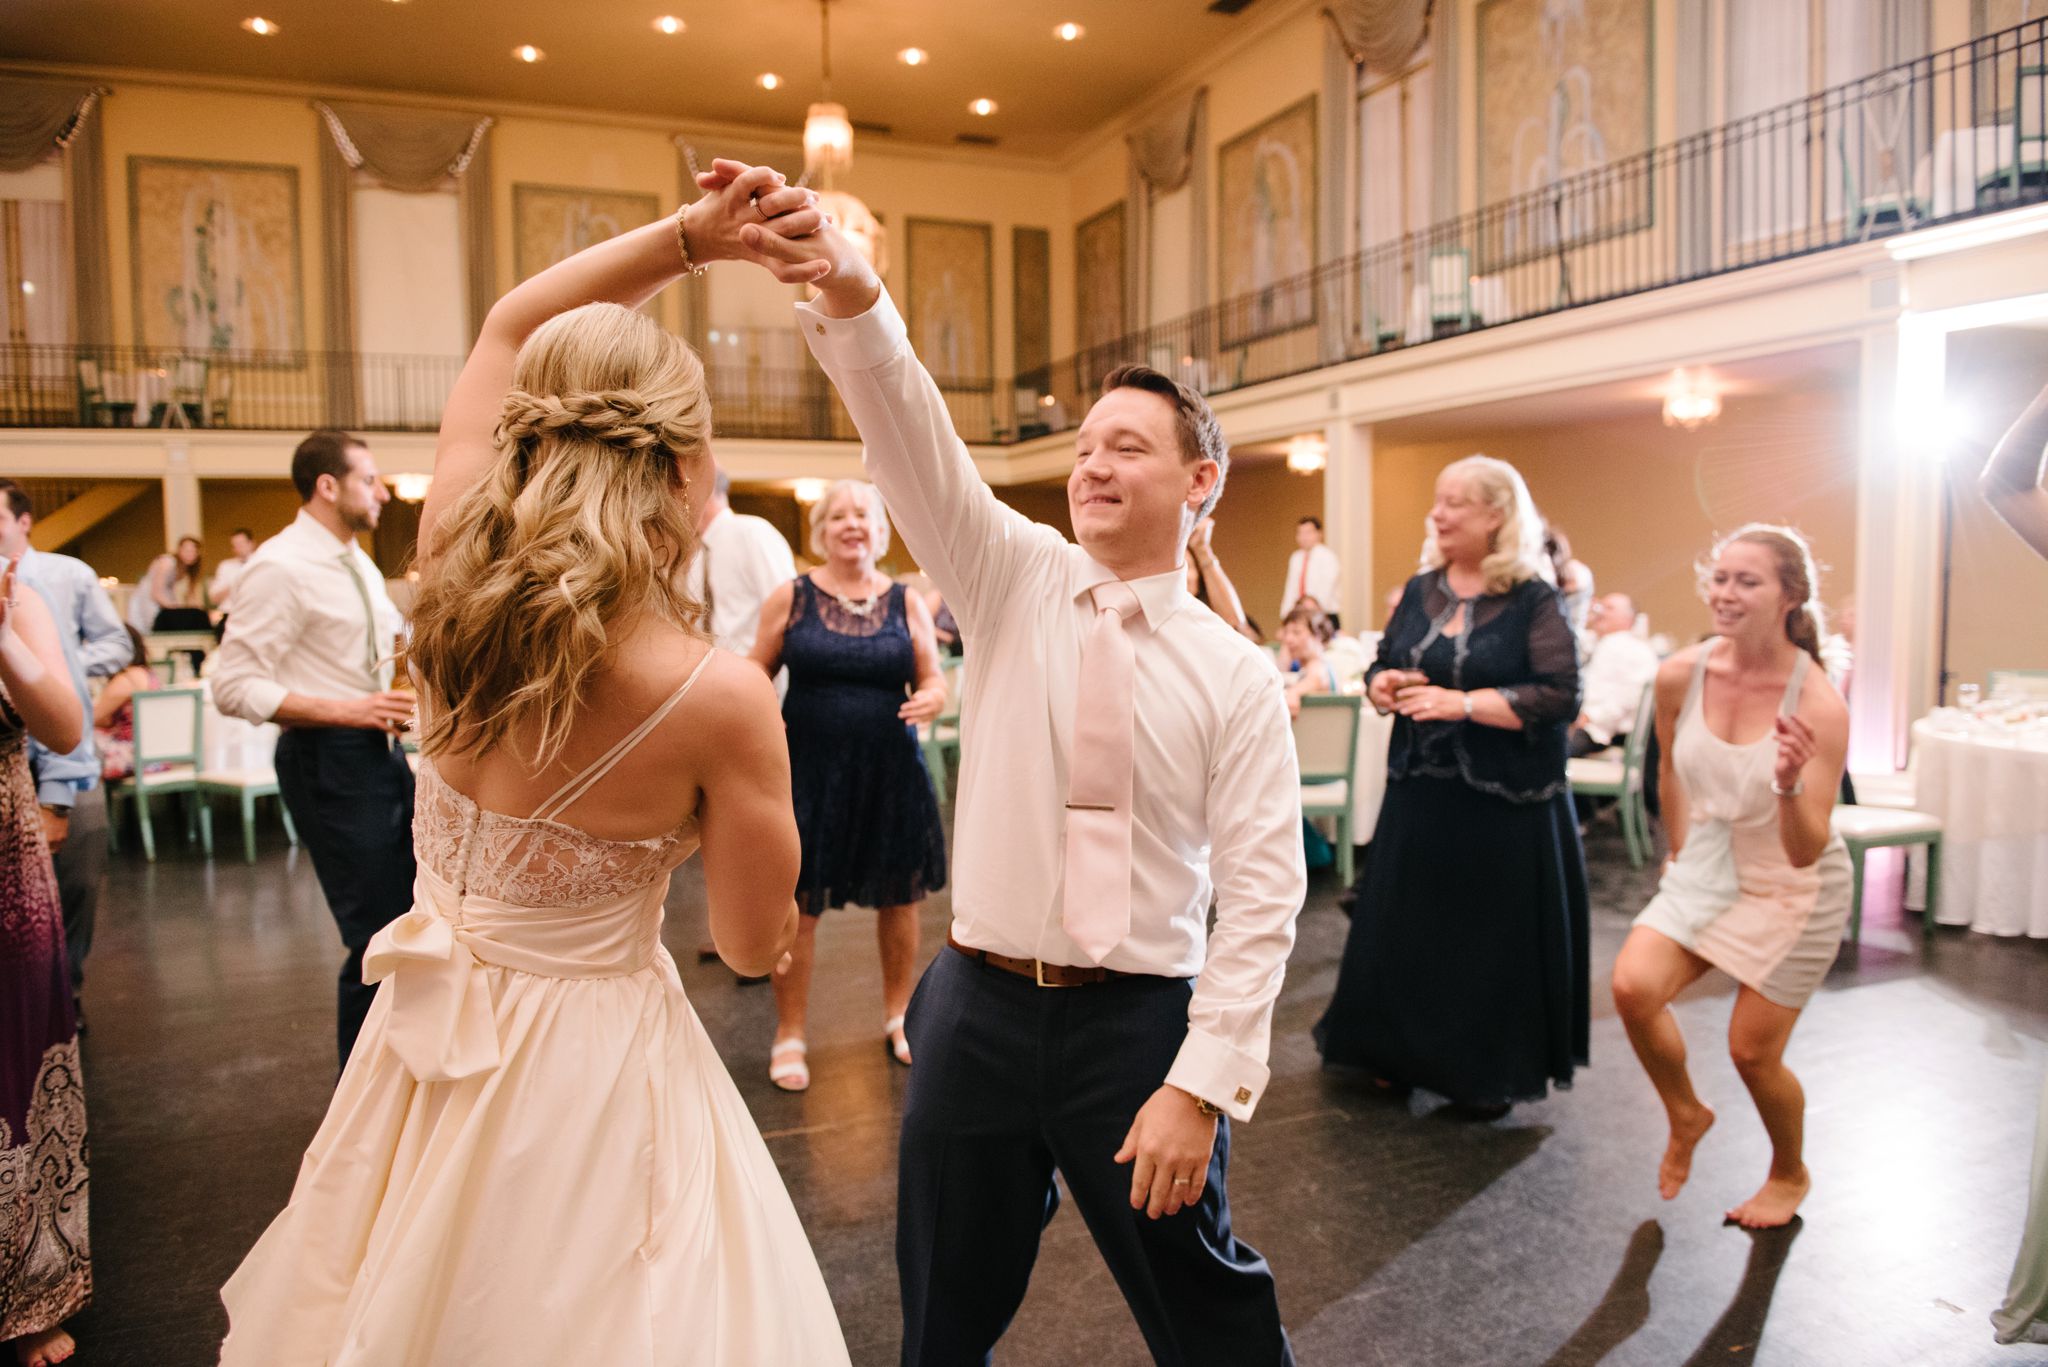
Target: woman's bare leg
(1651, 970)
(1757, 1034)
(896, 934)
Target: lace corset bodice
(530, 861)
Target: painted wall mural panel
(552, 223)
(214, 252)
(1567, 91)
(1031, 303)
(1266, 180)
(1099, 315)
(951, 297)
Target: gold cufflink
(821, 329)
(1244, 1096)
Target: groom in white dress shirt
(1119, 1064)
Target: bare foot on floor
(1774, 1203)
(1677, 1164)
(46, 1349)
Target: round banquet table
(1990, 790)
(229, 743)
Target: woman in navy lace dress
(863, 674)
(1465, 972)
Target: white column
(1347, 518)
(181, 494)
(1898, 538)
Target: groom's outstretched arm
(965, 538)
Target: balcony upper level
(1954, 135)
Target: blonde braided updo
(581, 525)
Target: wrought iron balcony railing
(1956, 134)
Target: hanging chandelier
(828, 151)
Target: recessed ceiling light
(983, 107)
(1068, 32)
(913, 56)
(669, 24)
(768, 80)
(260, 26)
(527, 52)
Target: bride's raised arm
(628, 269)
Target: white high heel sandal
(899, 1052)
(787, 1066)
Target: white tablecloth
(1947, 179)
(1369, 787)
(229, 742)
(1991, 793)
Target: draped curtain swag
(1380, 35)
(36, 118)
(412, 151)
(1167, 152)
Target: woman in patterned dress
(1754, 740)
(45, 1263)
(863, 675)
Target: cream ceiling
(606, 55)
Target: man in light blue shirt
(96, 644)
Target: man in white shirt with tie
(740, 561)
(1127, 757)
(1313, 571)
(309, 646)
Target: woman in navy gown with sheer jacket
(863, 674)
(1465, 972)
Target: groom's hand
(1169, 1146)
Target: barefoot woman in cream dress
(1754, 739)
(534, 1155)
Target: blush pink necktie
(1097, 908)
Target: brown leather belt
(1038, 971)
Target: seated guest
(113, 716)
(1620, 666)
(1303, 634)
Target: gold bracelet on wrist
(690, 267)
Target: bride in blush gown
(534, 1154)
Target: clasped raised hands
(751, 213)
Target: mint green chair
(1621, 778)
(1326, 745)
(166, 734)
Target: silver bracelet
(1798, 787)
(1468, 705)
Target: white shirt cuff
(859, 343)
(260, 700)
(1227, 1078)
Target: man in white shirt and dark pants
(1127, 760)
(740, 560)
(309, 646)
(1313, 571)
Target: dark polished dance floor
(1398, 1236)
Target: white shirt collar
(1160, 595)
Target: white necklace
(859, 607)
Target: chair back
(2031, 115)
(955, 673)
(1638, 743)
(188, 379)
(2019, 683)
(89, 377)
(1326, 737)
(167, 726)
(1450, 284)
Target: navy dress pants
(1014, 1081)
(350, 796)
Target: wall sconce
(808, 491)
(411, 488)
(1689, 402)
(1308, 455)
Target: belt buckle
(1038, 974)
